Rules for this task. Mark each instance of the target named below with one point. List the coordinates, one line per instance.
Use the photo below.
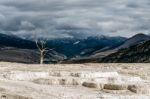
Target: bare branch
(37, 45)
(46, 51)
(41, 45)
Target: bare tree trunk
(41, 57)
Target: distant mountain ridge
(84, 47)
(14, 41)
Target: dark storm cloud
(74, 18)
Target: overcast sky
(75, 18)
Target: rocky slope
(136, 39)
(29, 56)
(11, 54)
(135, 54)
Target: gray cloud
(74, 18)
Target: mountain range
(70, 50)
(84, 47)
(118, 54)
(14, 41)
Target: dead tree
(41, 45)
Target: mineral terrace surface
(74, 81)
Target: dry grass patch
(115, 86)
(139, 89)
(90, 84)
(93, 85)
(11, 96)
(58, 81)
(115, 91)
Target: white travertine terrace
(70, 81)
